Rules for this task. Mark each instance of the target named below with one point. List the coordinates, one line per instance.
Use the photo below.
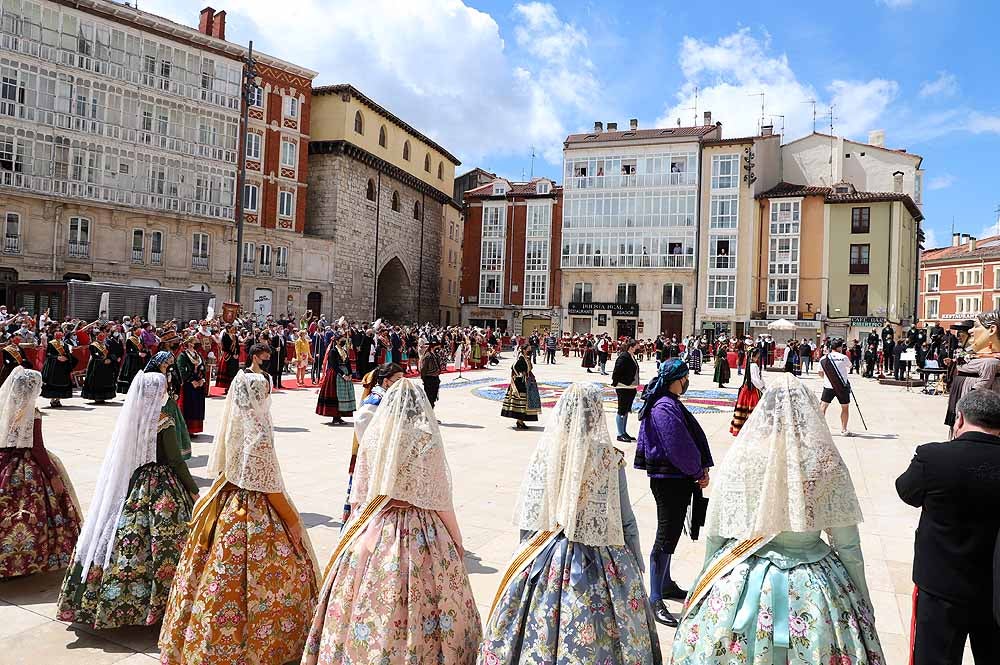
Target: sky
(496, 82)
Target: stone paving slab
(487, 459)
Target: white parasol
(781, 324)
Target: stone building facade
(452, 235)
(368, 194)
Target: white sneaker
(845, 432)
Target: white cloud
(441, 65)
(980, 123)
(991, 230)
(930, 239)
(945, 85)
(730, 73)
(943, 181)
(895, 4)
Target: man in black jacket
(277, 364)
(957, 487)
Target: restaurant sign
(867, 321)
(616, 308)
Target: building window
(289, 152)
(286, 204)
(722, 292)
(253, 145)
(406, 150)
(156, 248)
(785, 217)
(416, 210)
(583, 292)
(542, 187)
(861, 220)
(440, 171)
(782, 290)
(491, 264)
(724, 212)
(934, 280)
(79, 237)
(291, 107)
(381, 136)
(281, 261)
(931, 308)
(673, 296)
(250, 194)
(783, 256)
(12, 234)
(249, 255)
(370, 194)
(722, 252)
(359, 123)
(626, 294)
(536, 254)
(725, 171)
(427, 163)
(859, 259)
(859, 300)
(257, 96)
(968, 306)
(199, 250)
(138, 246)
(499, 189)
(489, 290)
(395, 201)
(971, 277)
(264, 259)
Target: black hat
(967, 324)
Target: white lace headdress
(133, 444)
(572, 479)
(244, 444)
(402, 454)
(17, 408)
(784, 472)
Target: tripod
(461, 365)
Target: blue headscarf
(154, 363)
(670, 371)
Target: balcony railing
(79, 249)
(156, 258)
(12, 245)
(265, 269)
(137, 255)
(248, 267)
(199, 261)
(633, 180)
(281, 270)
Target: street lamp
(249, 88)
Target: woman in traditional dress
(134, 361)
(248, 562)
(336, 393)
(749, 393)
(722, 370)
(573, 593)
(694, 358)
(229, 363)
(522, 401)
(477, 351)
(39, 512)
(135, 528)
(589, 356)
(57, 380)
(396, 587)
(772, 590)
(165, 362)
(791, 359)
(191, 367)
(99, 384)
(301, 357)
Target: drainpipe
(55, 237)
(888, 269)
(378, 209)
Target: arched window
(381, 136)
(427, 163)
(416, 210)
(371, 190)
(359, 123)
(395, 201)
(406, 150)
(440, 171)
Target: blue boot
(669, 590)
(658, 563)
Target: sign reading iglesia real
(616, 308)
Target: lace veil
(133, 444)
(244, 444)
(572, 478)
(402, 454)
(17, 408)
(784, 472)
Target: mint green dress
(797, 600)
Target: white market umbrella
(781, 324)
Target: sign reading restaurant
(867, 321)
(616, 308)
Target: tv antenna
(813, 102)
(692, 108)
(760, 94)
(532, 162)
(778, 115)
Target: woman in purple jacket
(674, 452)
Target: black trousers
(887, 361)
(550, 356)
(672, 496)
(276, 369)
(943, 626)
(431, 386)
(625, 399)
(317, 368)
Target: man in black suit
(957, 487)
(277, 365)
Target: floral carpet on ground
(697, 401)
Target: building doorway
(625, 328)
(314, 302)
(671, 323)
(8, 278)
(395, 302)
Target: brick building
(961, 280)
(511, 276)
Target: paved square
(487, 461)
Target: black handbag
(697, 513)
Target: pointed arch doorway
(395, 294)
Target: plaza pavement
(487, 461)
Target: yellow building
(451, 264)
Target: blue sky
(489, 80)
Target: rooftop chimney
(766, 130)
(877, 137)
(205, 20)
(612, 126)
(897, 182)
(708, 118)
(956, 239)
(972, 243)
(633, 124)
(598, 126)
(219, 25)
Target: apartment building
(959, 281)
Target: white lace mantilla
(17, 408)
(784, 472)
(402, 454)
(572, 479)
(244, 445)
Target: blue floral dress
(797, 600)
